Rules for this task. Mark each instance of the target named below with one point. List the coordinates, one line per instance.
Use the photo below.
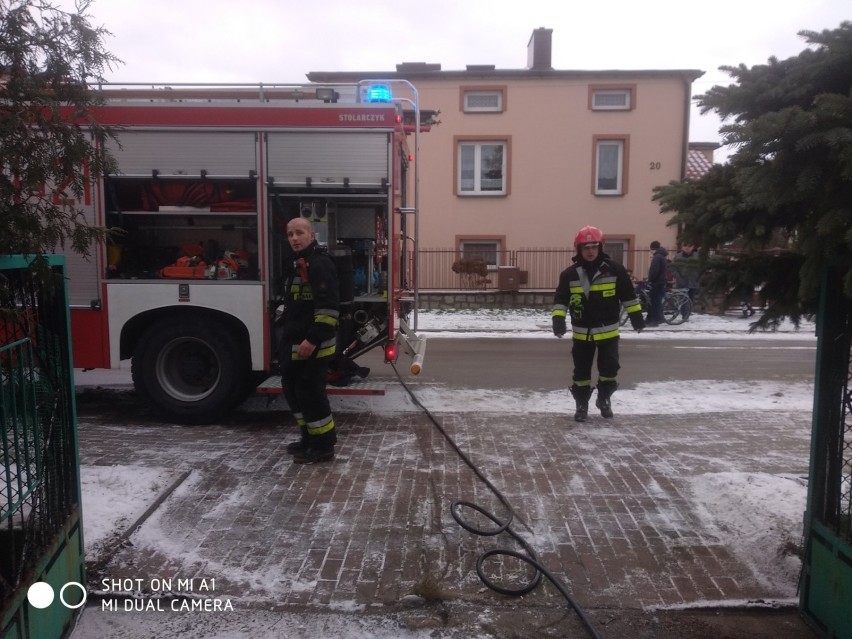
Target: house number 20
(655, 166)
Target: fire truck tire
(189, 372)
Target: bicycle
(677, 307)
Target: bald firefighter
(594, 290)
(308, 342)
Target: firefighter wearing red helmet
(588, 235)
(593, 290)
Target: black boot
(320, 448)
(314, 455)
(300, 445)
(581, 399)
(605, 391)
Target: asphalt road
(545, 364)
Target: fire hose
(529, 556)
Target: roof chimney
(538, 49)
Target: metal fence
(538, 268)
(39, 471)
(826, 593)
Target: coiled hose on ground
(530, 558)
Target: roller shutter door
(220, 154)
(82, 273)
(329, 160)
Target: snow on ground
(116, 496)
(754, 512)
(242, 624)
(673, 398)
(733, 506)
(537, 323)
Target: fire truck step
(272, 386)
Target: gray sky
(279, 41)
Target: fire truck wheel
(190, 372)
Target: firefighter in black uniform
(593, 291)
(308, 342)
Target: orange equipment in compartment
(192, 266)
(188, 267)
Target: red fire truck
(187, 284)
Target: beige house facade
(523, 158)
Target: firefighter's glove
(637, 321)
(559, 327)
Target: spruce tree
(51, 147)
(780, 210)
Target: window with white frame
(482, 168)
(483, 101)
(611, 100)
(609, 167)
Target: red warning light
(390, 352)
(411, 158)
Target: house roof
(697, 164)
(421, 71)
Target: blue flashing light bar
(379, 93)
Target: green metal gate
(826, 595)
(41, 536)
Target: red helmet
(588, 235)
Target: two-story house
(523, 158)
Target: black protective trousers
(656, 295)
(583, 353)
(303, 382)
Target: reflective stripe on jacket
(595, 303)
(311, 304)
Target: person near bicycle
(593, 291)
(657, 280)
(687, 267)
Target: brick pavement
(606, 505)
